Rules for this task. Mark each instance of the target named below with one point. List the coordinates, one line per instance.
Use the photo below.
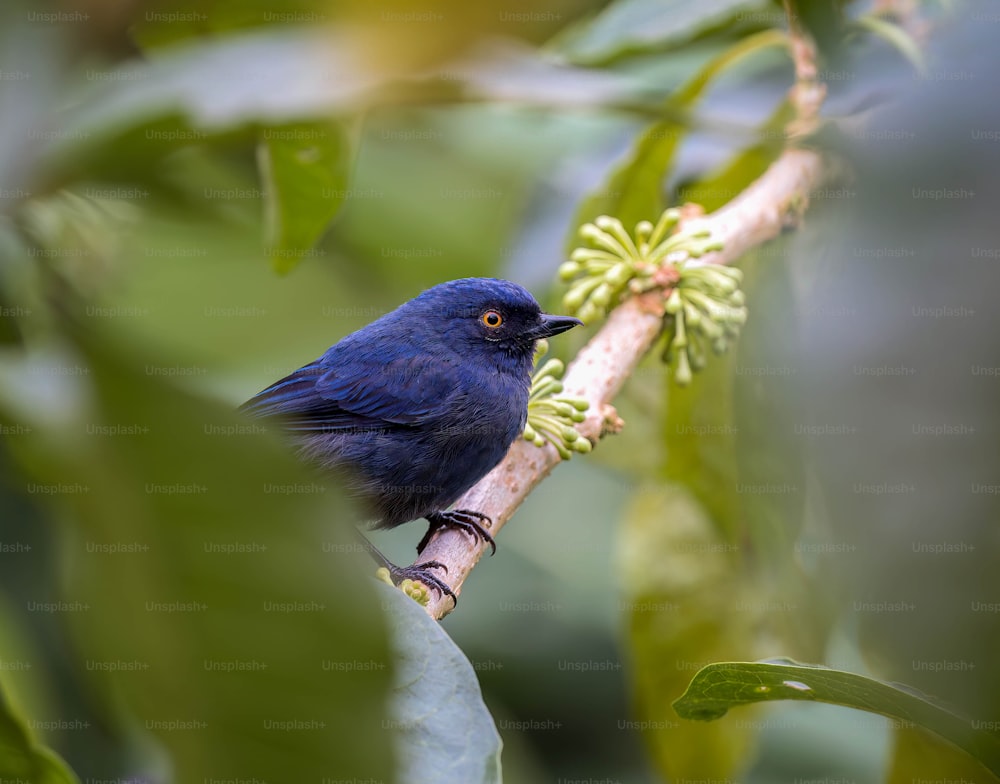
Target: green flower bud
(564, 409)
(582, 445)
(529, 432)
(683, 373)
(416, 591)
(725, 284)
(568, 270)
(602, 295)
(588, 312)
(711, 329)
(553, 367)
(619, 274)
(575, 297)
(674, 303)
(383, 574)
(569, 434)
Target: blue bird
(416, 407)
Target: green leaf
(22, 758)
(768, 404)
(628, 26)
(718, 687)
(717, 188)
(271, 78)
(304, 169)
(221, 600)
(921, 755)
(170, 21)
(700, 432)
(444, 732)
(896, 37)
(634, 190)
(679, 596)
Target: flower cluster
(704, 307)
(552, 416)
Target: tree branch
(771, 204)
(767, 207)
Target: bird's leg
(419, 572)
(463, 519)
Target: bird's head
(487, 313)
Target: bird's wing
(343, 390)
(402, 390)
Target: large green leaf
(683, 599)
(771, 476)
(724, 685)
(304, 170)
(635, 25)
(443, 730)
(269, 77)
(22, 758)
(921, 755)
(224, 608)
(700, 433)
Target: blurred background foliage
(197, 198)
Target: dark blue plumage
(420, 404)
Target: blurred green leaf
(896, 37)
(680, 597)
(717, 188)
(700, 434)
(22, 758)
(634, 190)
(724, 685)
(166, 22)
(443, 729)
(304, 171)
(771, 478)
(824, 21)
(219, 584)
(628, 26)
(767, 406)
(271, 77)
(921, 755)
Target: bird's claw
(421, 573)
(464, 519)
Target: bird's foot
(418, 572)
(422, 573)
(463, 519)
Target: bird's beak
(553, 325)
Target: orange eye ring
(492, 319)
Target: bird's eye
(492, 319)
